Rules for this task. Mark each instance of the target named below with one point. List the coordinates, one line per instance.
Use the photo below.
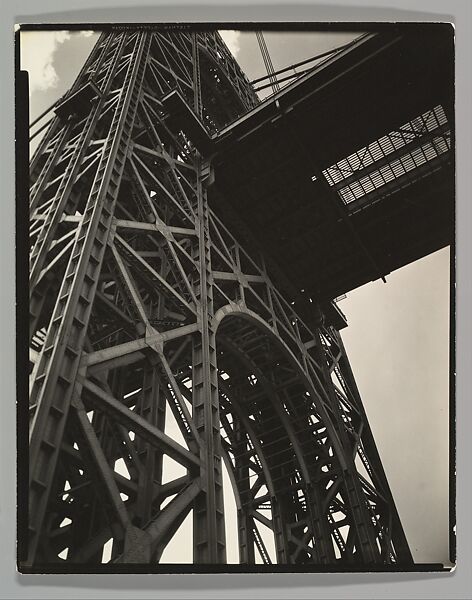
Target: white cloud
(37, 57)
(231, 39)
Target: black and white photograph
(240, 297)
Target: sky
(398, 334)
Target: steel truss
(142, 302)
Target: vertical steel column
(152, 407)
(209, 525)
(58, 364)
(399, 540)
(245, 519)
(366, 542)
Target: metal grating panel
(392, 156)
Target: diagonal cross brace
(140, 426)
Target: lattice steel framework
(142, 302)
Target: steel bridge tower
(145, 311)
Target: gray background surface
(457, 585)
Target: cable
(272, 76)
(267, 61)
(41, 129)
(263, 87)
(45, 112)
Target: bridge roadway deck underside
(264, 164)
